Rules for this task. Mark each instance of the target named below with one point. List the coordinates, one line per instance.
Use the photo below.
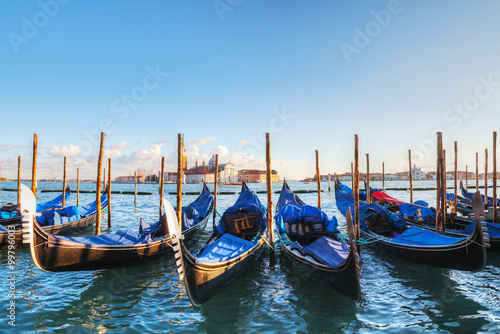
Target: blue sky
(313, 73)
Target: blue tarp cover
(56, 201)
(289, 214)
(59, 215)
(330, 252)
(411, 210)
(192, 214)
(247, 202)
(420, 237)
(3, 229)
(91, 208)
(6, 215)
(124, 237)
(197, 211)
(345, 200)
(225, 248)
(288, 197)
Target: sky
(311, 73)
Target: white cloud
(68, 151)
(112, 153)
(202, 141)
(119, 146)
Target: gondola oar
(478, 208)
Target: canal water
(397, 296)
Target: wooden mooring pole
(486, 179)
(161, 184)
(33, 168)
(367, 190)
(64, 183)
(494, 176)
(98, 187)
(269, 185)
(410, 176)
(109, 192)
(77, 186)
(180, 149)
(318, 176)
(356, 188)
(216, 181)
(19, 179)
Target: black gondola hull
(69, 228)
(345, 279)
(468, 255)
(52, 258)
(203, 280)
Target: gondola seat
(224, 248)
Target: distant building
(130, 179)
(255, 175)
(417, 174)
(205, 173)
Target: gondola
(57, 220)
(468, 196)
(313, 245)
(420, 214)
(237, 241)
(118, 249)
(394, 235)
(8, 212)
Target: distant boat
(230, 184)
(306, 182)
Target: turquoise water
(397, 296)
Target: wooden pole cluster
(19, 179)
(135, 188)
(98, 187)
(383, 176)
(477, 171)
(494, 176)
(216, 181)
(356, 187)
(109, 192)
(161, 184)
(486, 179)
(180, 149)
(77, 186)
(33, 171)
(411, 176)
(455, 185)
(64, 183)
(318, 176)
(329, 182)
(367, 190)
(270, 189)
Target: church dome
(211, 162)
